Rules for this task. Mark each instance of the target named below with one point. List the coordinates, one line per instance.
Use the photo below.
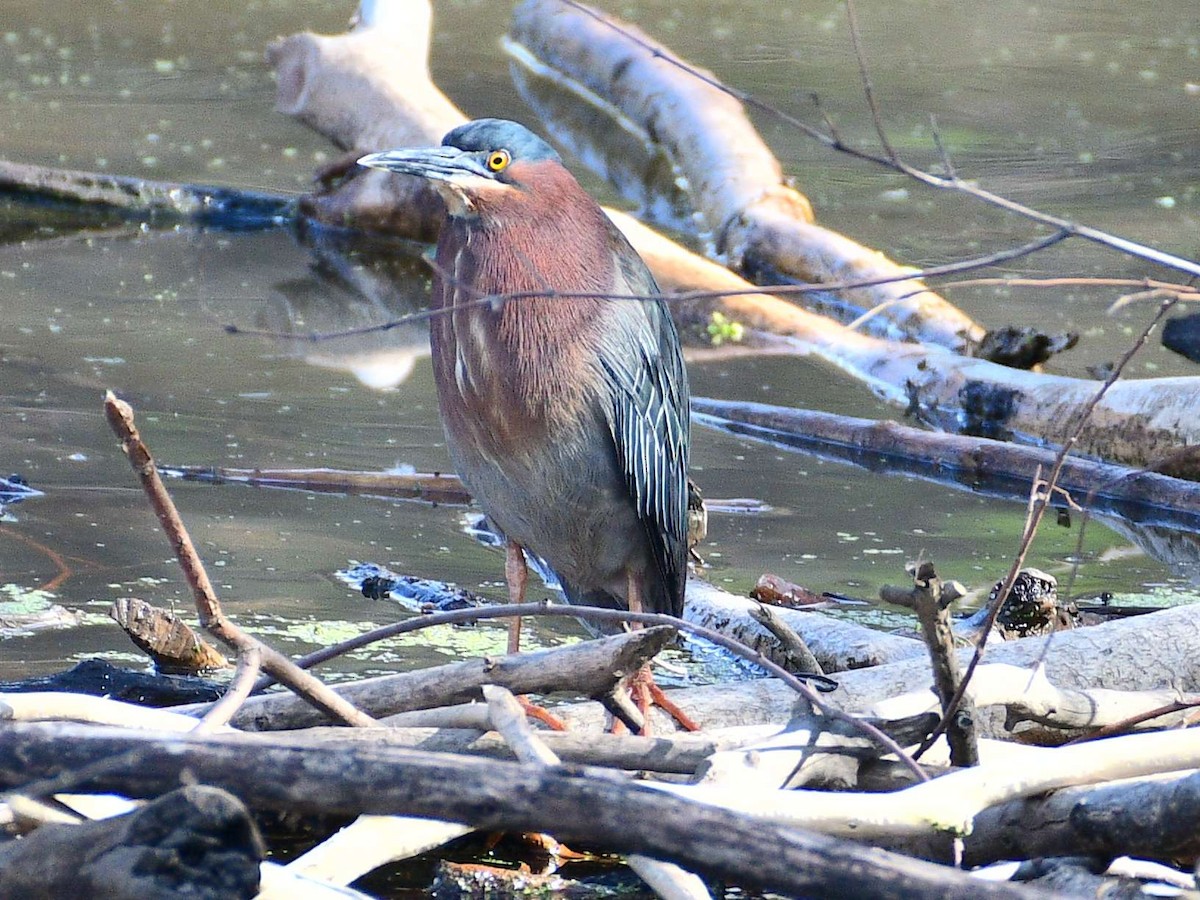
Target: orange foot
(647, 694)
(543, 715)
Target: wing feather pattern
(649, 418)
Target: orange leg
(516, 574)
(645, 692)
(543, 715)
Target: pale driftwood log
(332, 84)
(19, 814)
(1148, 870)
(754, 217)
(838, 644)
(1136, 421)
(36, 706)
(1028, 695)
(589, 805)
(1113, 655)
(949, 804)
(368, 843)
(196, 842)
(591, 668)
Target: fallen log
(990, 466)
(587, 805)
(196, 842)
(323, 80)
(1148, 818)
(1135, 422)
(837, 644)
(755, 219)
(163, 202)
(592, 668)
(432, 488)
(465, 730)
(1112, 655)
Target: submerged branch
(205, 205)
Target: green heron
(566, 416)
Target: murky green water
(1087, 110)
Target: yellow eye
(498, 160)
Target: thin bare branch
(784, 290)
(947, 163)
(864, 74)
(1039, 503)
(832, 128)
(248, 665)
(120, 419)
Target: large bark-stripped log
(755, 218)
(332, 84)
(1113, 655)
(1135, 422)
(579, 804)
(838, 644)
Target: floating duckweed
(721, 329)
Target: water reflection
(355, 283)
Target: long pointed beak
(447, 164)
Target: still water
(1089, 110)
